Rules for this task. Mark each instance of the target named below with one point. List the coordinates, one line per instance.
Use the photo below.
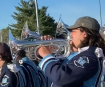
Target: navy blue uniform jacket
(34, 76)
(80, 69)
(9, 78)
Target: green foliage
(26, 12)
(4, 34)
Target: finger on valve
(46, 37)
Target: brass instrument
(61, 31)
(27, 34)
(60, 45)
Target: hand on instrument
(46, 37)
(45, 50)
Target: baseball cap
(87, 22)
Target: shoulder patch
(81, 61)
(5, 80)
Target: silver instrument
(27, 34)
(60, 45)
(61, 30)
(31, 41)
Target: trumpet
(60, 45)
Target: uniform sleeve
(9, 80)
(80, 68)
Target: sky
(70, 10)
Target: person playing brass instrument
(84, 66)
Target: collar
(98, 51)
(83, 49)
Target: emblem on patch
(81, 61)
(5, 80)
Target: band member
(34, 76)
(81, 68)
(10, 75)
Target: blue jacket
(9, 78)
(78, 70)
(35, 76)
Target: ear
(84, 34)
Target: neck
(1, 63)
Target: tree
(5, 35)
(26, 12)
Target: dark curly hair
(5, 52)
(21, 53)
(93, 39)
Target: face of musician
(5, 54)
(78, 37)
